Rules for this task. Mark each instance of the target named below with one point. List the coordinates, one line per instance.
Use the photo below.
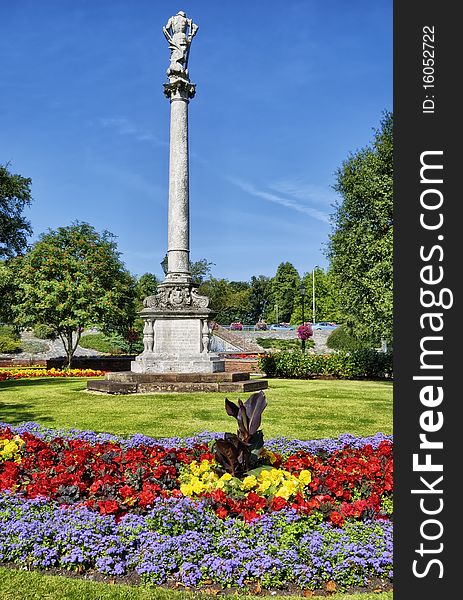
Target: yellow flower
(196, 485)
(204, 466)
(186, 489)
(249, 482)
(264, 485)
(225, 477)
(286, 490)
(305, 477)
(194, 467)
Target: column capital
(179, 89)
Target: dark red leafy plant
(238, 453)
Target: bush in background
(342, 339)
(9, 345)
(113, 343)
(9, 331)
(44, 332)
(9, 340)
(358, 364)
(101, 343)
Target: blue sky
(285, 91)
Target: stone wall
(241, 365)
(319, 337)
(101, 363)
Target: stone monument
(177, 328)
(177, 319)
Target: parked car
(281, 327)
(324, 325)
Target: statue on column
(179, 32)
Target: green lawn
(20, 585)
(296, 408)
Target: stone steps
(178, 377)
(145, 383)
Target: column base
(164, 363)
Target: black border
(414, 133)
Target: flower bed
(318, 512)
(183, 541)
(112, 479)
(40, 372)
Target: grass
(296, 408)
(20, 585)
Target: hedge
(358, 364)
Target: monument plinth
(177, 319)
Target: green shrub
(9, 331)
(358, 364)
(9, 345)
(34, 347)
(44, 332)
(101, 343)
(342, 339)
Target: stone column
(177, 333)
(178, 249)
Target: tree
(200, 270)
(284, 290)
(15, 195)
(326, 298)
(9, 293)
(73, 278)
(258, 297)
(360, 248)
(146, 286)
(230, 299)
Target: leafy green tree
(258, 297)
(230, 299)
(326, 298)
(146, 286)
(284, 291)
(200, 270)
(15, 195)
(73, 278)
(360, 248)
(9, 293)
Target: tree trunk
(69, 347)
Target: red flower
(221, 512)
(336, 518)
(278, 503)
(255, 501)
(108, 507)
(250, 515)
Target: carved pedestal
(177, 332)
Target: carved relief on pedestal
(148, 336)
(176, 298)
(206, 333)
(198, 300)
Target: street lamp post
(313, 293)
(302, 290)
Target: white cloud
(280, 199)
(306, 192)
